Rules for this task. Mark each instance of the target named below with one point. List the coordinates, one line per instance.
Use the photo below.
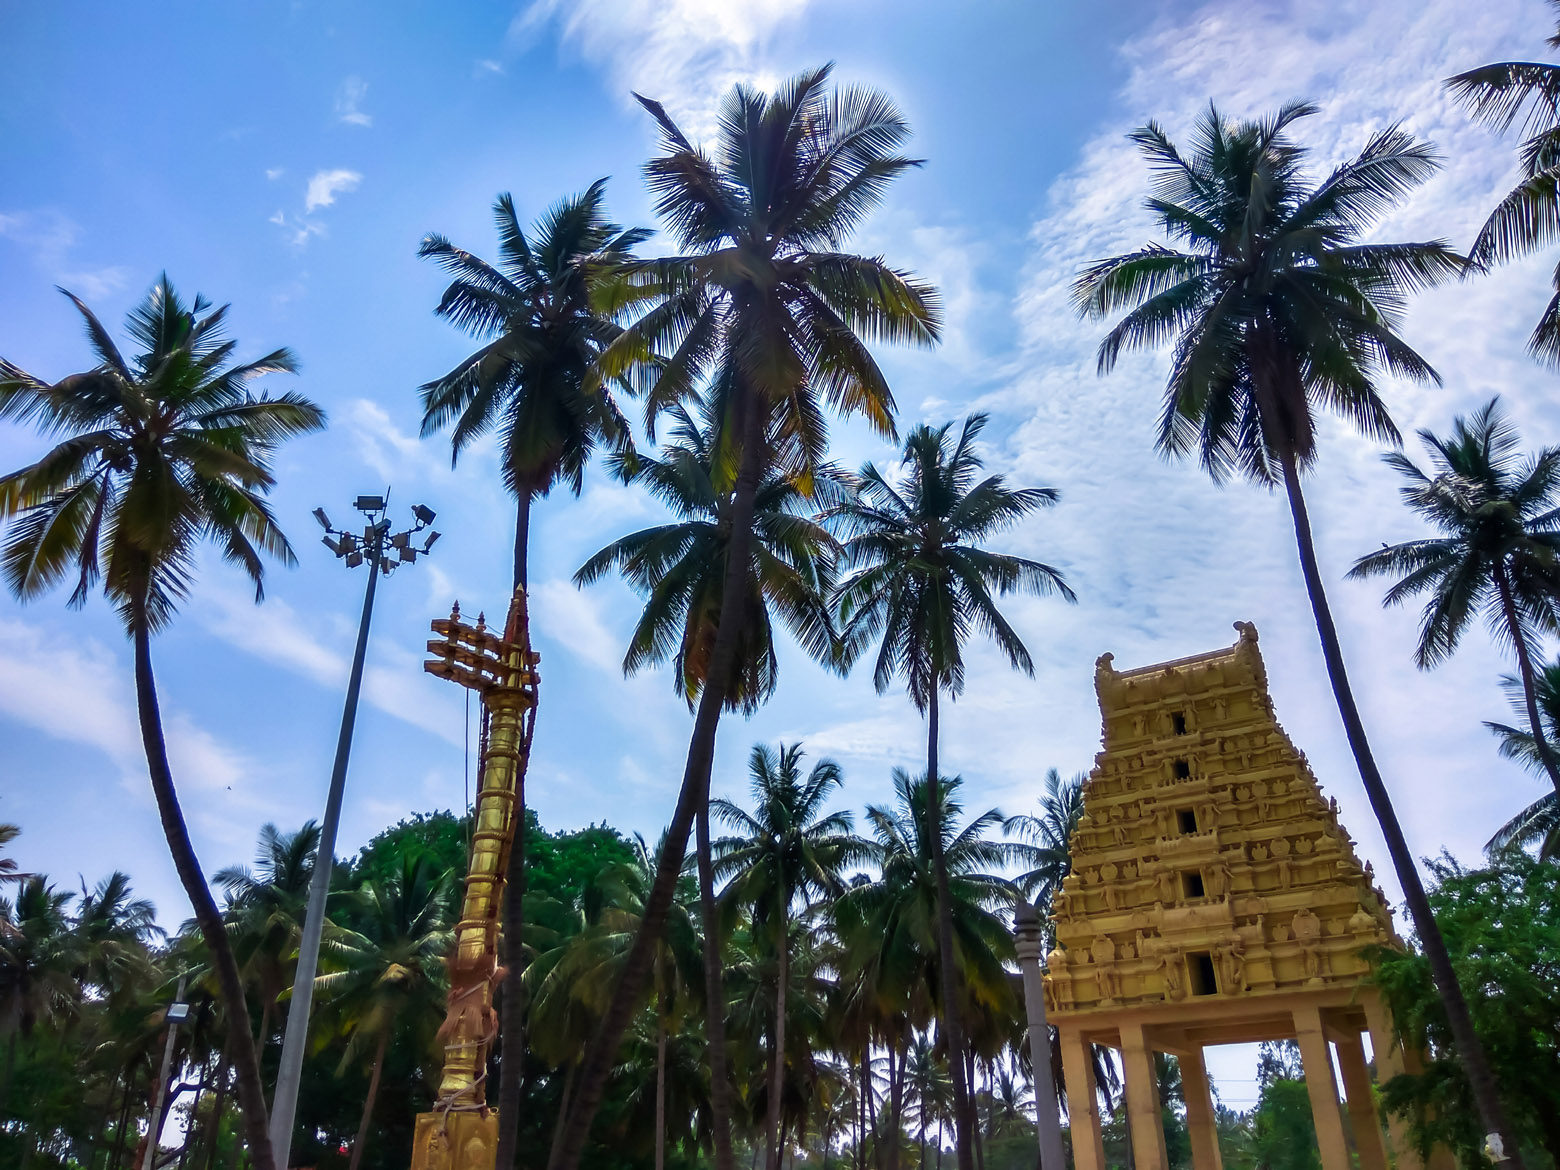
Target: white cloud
(686, 53)
(487, 67)
(274, 173)
(574, 619)
(81, 693)
(94, 284)
(326, 185)
(349, 99)
(51, 237)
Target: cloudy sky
(288, 157)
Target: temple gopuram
(1215, 899)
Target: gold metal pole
(461, 1133)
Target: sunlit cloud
(324, 186)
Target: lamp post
(383, 553)
(1027, 936)
(175, 1014)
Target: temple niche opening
(1215, 899)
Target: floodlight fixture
(423, 513)
(354, 559)
(427, 544)
(370, 504)
(176, 1013)
(319, 514)
(408, 554)
(332, 543)
(401, 540)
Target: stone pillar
(1323, 1089)
(1026, 936)
(1083, 1115)
(1199, 1114)
(1362, 1106)
(1388, 1056)
(1143, 1109)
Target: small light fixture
(370, 504)
(177, 1013)
(427, 544)
(423, 513)
(408, 554)
(354, 559)
(319, 514)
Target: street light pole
(1027, 936)
(178, 1011)
(375, 545)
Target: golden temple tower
(1214, 899)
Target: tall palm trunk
(246, 1066)
(1469, 1048)
(1528, 676)
(660, 1091)
(218, 1105)
(368, 1102)
(511, 1019)
(714, 986)
(693, 797)
(952, 1023)
(777, 1052)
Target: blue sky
(287, 158)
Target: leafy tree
(680, 568)
(1499, 95)
(1277, 309)
(763, 304)
(788, 851)
(159, 453)
(920, 582)
(1539, 823)
(39, 956)
(265, 912)
(1046, 839)
(901, 947)
(1502, 927)
(9, 871)
(1499, 555)
(389, 973)
(537, 313)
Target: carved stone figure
(1170, 972)
(1232, 963)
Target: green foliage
(1502, 928)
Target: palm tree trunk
(975, 1127)
(777, 1051)
(1528, 676)
(714, 985)
(246, 1065)
(1469, 1047)
(953, 1025)
(660, 1091)
(511, 1020)
(896, 1094)
(693, 797)
(214, 1127)
(124, 1123)
(564, 1101)
(368, 1102)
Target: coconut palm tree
(116, 931)
(902, 945)
(39, 959)
(1045, 839)
(787, 852)
(388, 977)
(157, 454)
(537, 314)
(1539, 823)
(920, 583)
(1278, 309)
(680, 567)
(1499, 553)
(265, 911)
(9, 870)
(764, 305)
(1499, 95)
(570, 981)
